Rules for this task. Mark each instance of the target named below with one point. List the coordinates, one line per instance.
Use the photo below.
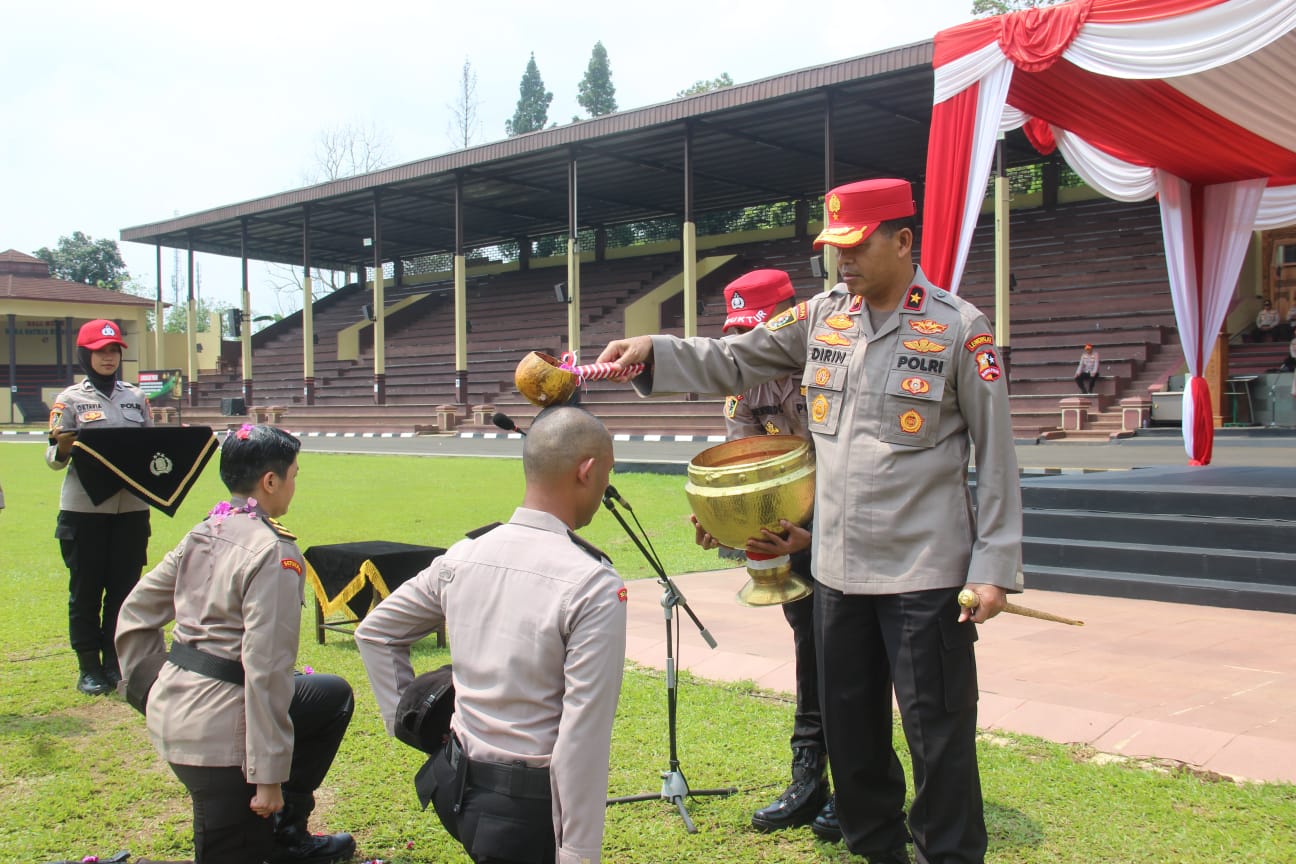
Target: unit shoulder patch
(788, 316)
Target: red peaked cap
(751, 299)
(857, 209)
(98, 333)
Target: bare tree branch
(341, 151)
(464, 124)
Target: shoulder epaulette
(947, 297)
(477, 532)
(279, 529)
(594, 552)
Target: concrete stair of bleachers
(1256, 358)
(1220, 537)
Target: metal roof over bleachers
(750, 144)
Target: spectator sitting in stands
(1267, 324)
(1086, 376)
(1291, 319)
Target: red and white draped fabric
(1183, 99)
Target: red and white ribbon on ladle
(597, 371)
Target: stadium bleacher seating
(1086, 272)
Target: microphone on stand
(506, 423)
(614, 495)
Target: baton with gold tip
(967, 598)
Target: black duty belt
(514, 779)
(196, 660)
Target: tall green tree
(706, 86)
(533, 103)
(177, 317)
(596, 93)
(80, 258)
(1000, 7)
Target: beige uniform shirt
(234, 588)
(774, 408)
(537, 630)
(1088, 363)
(893, 413)
(81, 406)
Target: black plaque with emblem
(159, 465)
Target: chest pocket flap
(824, 394)
(911, 408)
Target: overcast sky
(121, 114)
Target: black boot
(293, 844)
(112, 669)
(803, 798)
(825, 825)
(91, 680)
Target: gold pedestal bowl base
(773, 586)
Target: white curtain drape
(1185, 44)
(1202, 299)
(992, 95)
(1277, 208)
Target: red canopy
(1184, 99)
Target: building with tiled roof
(41, 316)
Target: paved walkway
(1214, 689)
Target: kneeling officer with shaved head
(536, 619)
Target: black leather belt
(514, 779)
(196, 660)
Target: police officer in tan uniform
(104, 545)
(778, 408)
(249, 739)
(536, 619)
(902, 379)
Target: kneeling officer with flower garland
(250, 739)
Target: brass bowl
(741, 486)
(539, 379)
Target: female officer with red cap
(778, 407)
(104, 545)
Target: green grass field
(78, 776)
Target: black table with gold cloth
(349, 579)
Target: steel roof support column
(245, 331)
(1003, 278)
(689, 239)
(191, 325)
(460, 298)
(573, 261)
(829, 252)
(308, 313)
(159, 319)
(379, 307)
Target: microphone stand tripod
(674, 787)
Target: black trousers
(226, 831)
(1087, 381)
(104, 554)
(493, 828)
(869, 644)
(807, 727)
